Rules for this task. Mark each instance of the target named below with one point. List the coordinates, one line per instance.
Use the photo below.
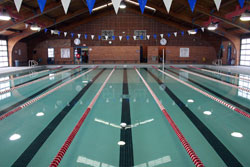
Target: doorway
(160, 54)
(143, 54)
(83, 51)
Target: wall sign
(184, 52)
(140, 34)
(108, 33)
(65, 52)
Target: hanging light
(35, 27)
(212, 27)
(123, 5)
(245, 16)
(192, 32)
(4, 16)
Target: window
(51, 53)
(244, 84)
(4, 85)
(65, 52)
(4, 62)
(245, 52)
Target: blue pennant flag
(72, 35)
(192, 4)
(45, 30)
(85, 36)
(113, 37)
(141, 37)
(196, 30)
(127, 37)
(142, 4)
(41, 4)
(99, 37)
(155, 36)
(90, 4)
(59, 32)
(169, 35)
(241, 3)
(182, 33)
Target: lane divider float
(212, 79)
(41, 96)
(72, 135)
(29, 83)
(215, 72)
(206, 94)
(196, 160)
(55, 68)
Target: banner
(168, 4)
(116, 4)
(41, 4)
(241, 3)
(90, 4)
(142, 4)
(18, 4)
(192, 4)
(65, 4)
(217, 4)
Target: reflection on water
(244, 84)
(91, 162)
(155, 162)
(5, 85)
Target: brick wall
(20, 53)
(225, 51)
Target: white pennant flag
(148, 37)
(65, 34)
(65, 4)
(217, 3)
(161, 35)
(203, 29)
(188, 32)
(168, 4)
(26, 25)
(175, 34)
(18, 4)
(134, 37)
(106, 37)
(79, 35)
(116, 4)
(52, 32)
(120, 37)
(92, 37)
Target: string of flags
(120, 37)
(116, 4)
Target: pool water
(33, 135)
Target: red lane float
(72, 135)
(41, 96)
(195, 67)
(208, 95)
(196, 160)
(56, 68)
(227, 75)
(29, 83)
(215, 80)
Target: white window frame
(245, 52)
(51, 53)
(4, 58)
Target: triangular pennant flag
(45, 30)
(85, 36)
(120, 37)
(155, 36)
(26, 25)
(99, 37)
(161, 35)
(169, 35)
(127, 37)
(167, 4)
(79, 35)
(217, 4)
(141, 37)
(106, 37)
(52, 32)
(196, 30)
(241, 3)
(192, 4)
(59, 33)
(134, 37)
(72, 34)
(175, 34)
(142, 4)
(116, 4)
(90, 4)
(65, 34)
(92, 37)
(65, 4)
(41, 4)
(188, 32)
(202, 29)
(182, 33)
(18, 4)
(148, 37)
(113, 37)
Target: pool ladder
(33, 63)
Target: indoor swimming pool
(110, 117)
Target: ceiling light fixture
(35, 27)
(245, 16)
(4, 16)
(192, 32)
(212, 27)
(123, 5)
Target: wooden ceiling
(180, 16)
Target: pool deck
(10, 70)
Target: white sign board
(65, 52)
(184, 52)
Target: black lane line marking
(35, 94)
(36, 78)
(126, 151)
(210, 77)
(217, 145)
(25, 158)
(244, 108)
(224, 72)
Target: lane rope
(196, 160)
(41, 96)
(215, 80)
(215, 72)
(29, 83)
(206, 94)
(73, 133)
(55, 68)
